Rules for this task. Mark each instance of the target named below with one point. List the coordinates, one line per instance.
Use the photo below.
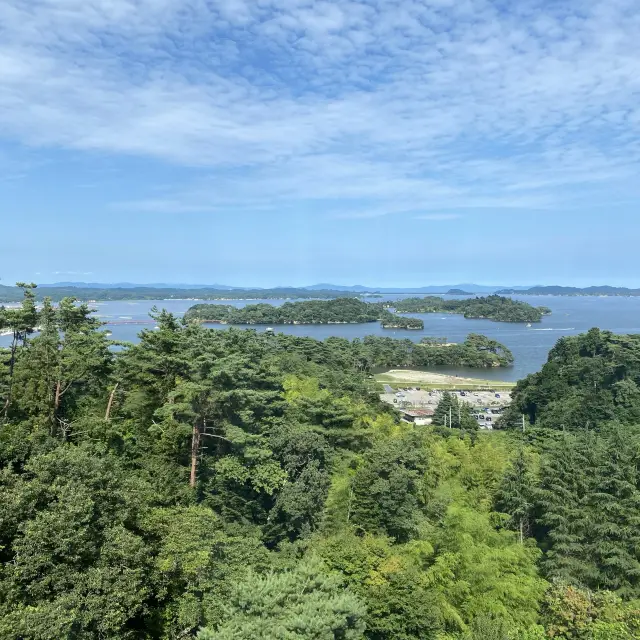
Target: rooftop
(418, 413)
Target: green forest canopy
(232, 484)
(588, 381)
(338, 311)
(497, 308)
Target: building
(417, 416)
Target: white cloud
(356, 107)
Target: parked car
(497, 395)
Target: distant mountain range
(571, 291)
(164, 291)
(132, 285)
(324, 286)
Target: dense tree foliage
(497, 308)
(587, 381)
(390, 320)
(338, 311)
(477, 351)
(232, 484)
(454, 413)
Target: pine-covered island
(494, 307)
(355, 311)
(338, 311)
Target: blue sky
(266, 142)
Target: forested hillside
(235, 485)
(497, 308)
(588, 381)
(87, 293)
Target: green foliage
(453, 413)
(589, 501)
(303, 603)
(476, 351)
(74, 562)
(339, 311)
(570, 612)
(390, 320)
(401, 603)
(387, 488)
(230, 484)
(497, 308)
(518, 493)
(88, 293)
(588, 380)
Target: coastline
(438, 380)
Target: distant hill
(458, 292)
(446, 288)
(573, 291)
(13, 294)
(323, 286)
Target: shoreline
(437, 380)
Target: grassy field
(407, 378)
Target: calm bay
(530, 345)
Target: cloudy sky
(266, 142)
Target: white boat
(529, 325)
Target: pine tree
(615, 498)
(22, 323)
(300, 604)
(564, 500)
(445, 409)
(455, 413)
(36, 371)
(517, 496)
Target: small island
(496, 308)
(477, 351)
(338, 311)
(393, 321)
(458, 292)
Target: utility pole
(449, 416)
(195, 449)
(523, 423)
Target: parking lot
(487, 405)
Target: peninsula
(94, 293)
